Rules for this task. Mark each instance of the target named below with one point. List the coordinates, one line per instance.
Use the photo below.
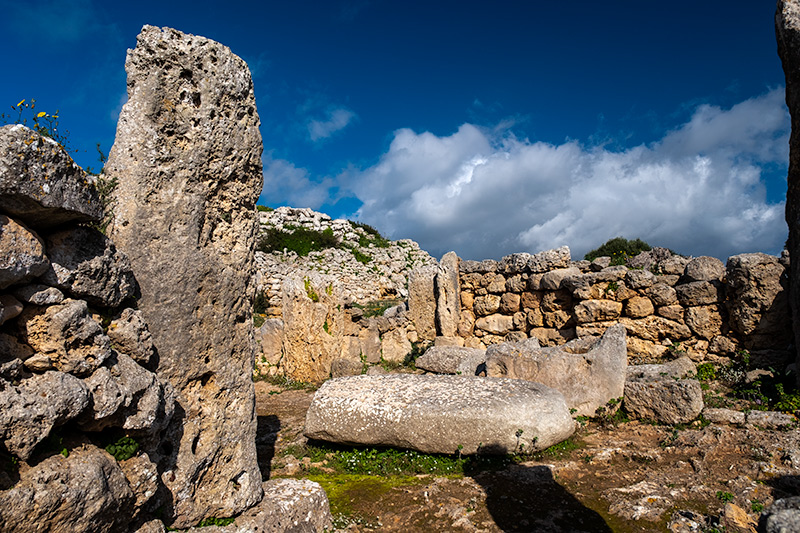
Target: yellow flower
(41, 114)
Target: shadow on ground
(527, 498)
(266, 435)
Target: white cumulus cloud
(699, 190)
(286, 183)
(336, 120)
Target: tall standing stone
(448, 296)
(787, 30)
(188, 159)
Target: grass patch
(361, 257)
(264, 209)
(375, 307)
(561, 450)
(297, 239)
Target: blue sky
(483, 127)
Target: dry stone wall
(695, 305)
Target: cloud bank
(699, 190)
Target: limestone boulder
(650, 259)
(638, 307)
(270, 338)
(341, 367)
(700, 293)
(67, 335)
(451, 360)
(86, 491)
(86, 264)
(10, 308)
(22, 254)
(448, 299)
(126, 395)
(639, 279)
(597, 311)
(496, 324)
(782, 516)
(439, 414)
(552, 279)
(704, 268)
(421, 301)
(588, 372)
(187, 157)
(656, 328)
(514, 263)
(296, 505)
(706, 321)
(549, 260)
(132, 337)
(30, 410)
(395, 345)
(660, 392)
(37, 294)
(662, 294)
(40, 184)
(487, 304)
(758, 300)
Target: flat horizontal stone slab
(439, 414)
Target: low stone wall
(665, 302)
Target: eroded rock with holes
(187, 157)
(86, 491)
(55, 190)
(588, 372)
(86, 264)
(21, 253)
(439, 414)
(29, 411)
(452, 360)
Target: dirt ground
(634, 476)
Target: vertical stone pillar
(787, 30)
(188, 159)
(448, 296)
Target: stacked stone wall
(698, 305)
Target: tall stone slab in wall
(787, 30)
(448, 296)
(188, 159)
(422, 302)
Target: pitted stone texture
(549, 260)
(85, 491)
(657, 392)
(21, 253)
(188, 159)
(448, 296)
(131, 336)
(289, 505)
(704, 268)
(39, 295)
(439, 414)
(66, 334)
(783, 516)
(421, 301)
(787, 30)
(40, 184)
(588, 372)
(758, 300)
(128, 396)
(86, 264)
(451, 360)
(30, 410)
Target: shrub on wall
(619, 248)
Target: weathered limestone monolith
(787, 30)
(188, 159)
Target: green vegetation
(264, 208)
(706, 372)
(560, 450)
(724, 497)
(376, 307)
(260, 303)
(361, 257)
(213, 521)
(310, 290)
(43, 123)
(298, 240)
(619, 250)
(123, 449)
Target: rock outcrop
(187, 157)
(64, 385)
(787, 29)
(439, 414)
(588, 372)
(664, 392)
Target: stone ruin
(124, 403)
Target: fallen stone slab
(589, 371)
(451, 360)
(770, 420)
(723, 416)
(439, 414)
(657, 392)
